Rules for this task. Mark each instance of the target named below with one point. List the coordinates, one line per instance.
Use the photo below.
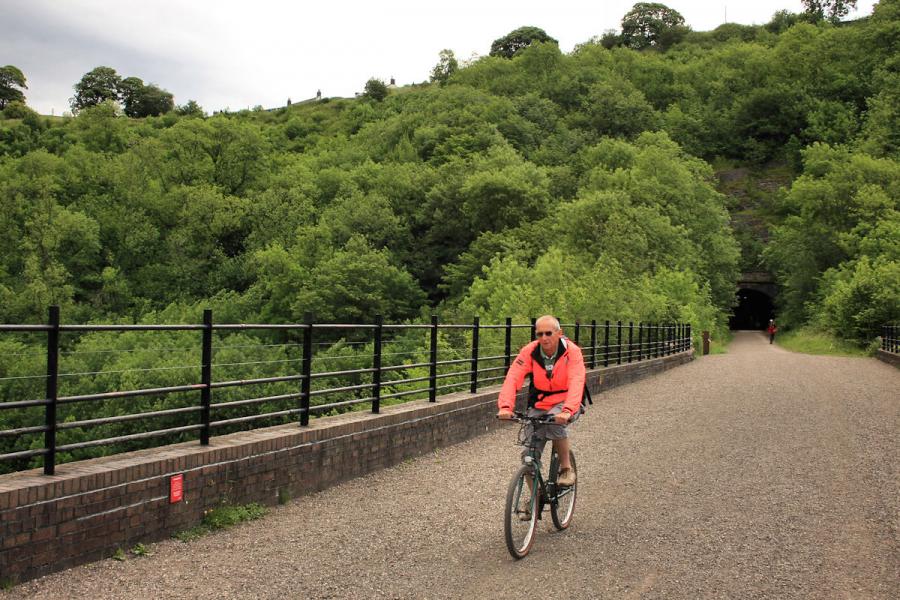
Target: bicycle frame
(548, 491)
(544, 491)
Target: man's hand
(504, 414)
(562, 418)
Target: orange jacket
(568, 376)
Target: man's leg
(566, 474)
(562, 451)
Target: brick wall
(890, 358)
(90, 508)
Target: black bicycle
(530, 491)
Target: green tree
(843, 207)
(375, 89)
(153, 101)
(446, 67)
(833, 10)
(647, 23)
(517, 40)
(190, 109)
(781, 21)
(12, 82)
(130, 90)
(610, 39)
(614, 107)
(98, 85)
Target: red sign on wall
(176, 488)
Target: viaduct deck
(756, 473)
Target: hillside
(506, 187)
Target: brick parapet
(90, 508)
(890, 358)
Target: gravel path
(755, 474)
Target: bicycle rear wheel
(562, 504)
(520, 518)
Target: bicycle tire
(520, 533)
(562, 505)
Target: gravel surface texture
(758, 473)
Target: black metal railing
(294, 373)
(890, 338)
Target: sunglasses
(543, 333)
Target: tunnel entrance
(753, 311)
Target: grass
(222, 517)
(719, 345)
(812, 341)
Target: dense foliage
(138, 99)
(651, 24)
(12, 82)
(517, 40)
(528, 182)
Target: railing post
(474, 387)
(606, 343)
(376, 364)
(52, 390)
(306, 371)
(432, 367)
(533, 325)
(690, 340)
(593, 343)
(618, 342)
(507, 344)
(630, 339)
(206, 376)
(640, 341)
(577, 333)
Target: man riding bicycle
(557, 371)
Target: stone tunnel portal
(753, 311)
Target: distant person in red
(772, 330)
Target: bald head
(547, 321)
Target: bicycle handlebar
(523, 418)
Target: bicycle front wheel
(520, 519)
(562, 505)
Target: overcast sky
(234, 54)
